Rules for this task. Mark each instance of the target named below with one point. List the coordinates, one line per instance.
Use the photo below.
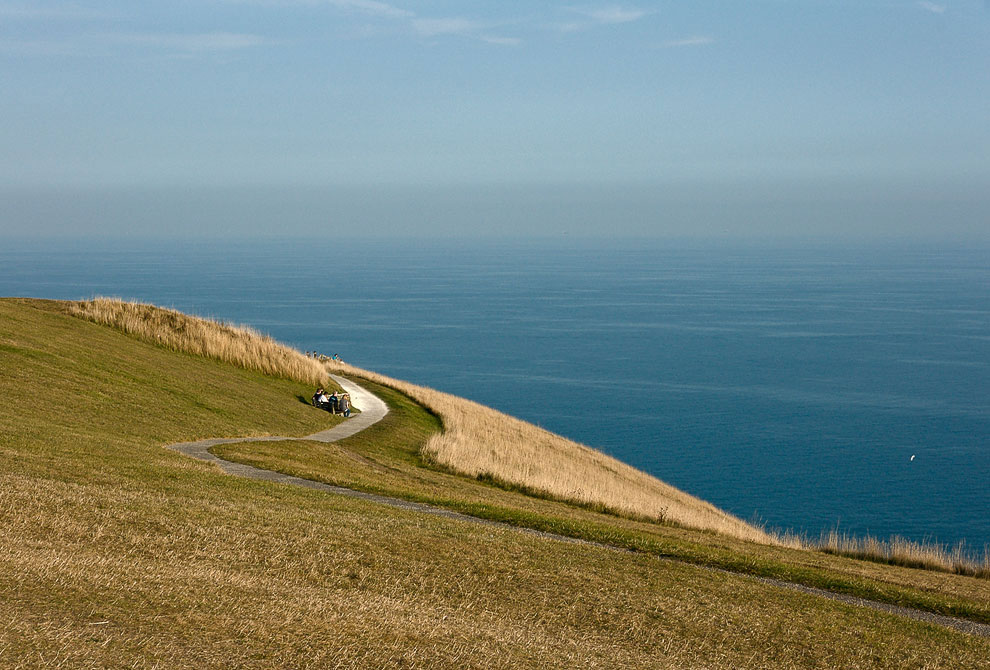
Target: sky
(678, 117)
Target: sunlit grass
(490, 446)
(238, 345)
(476, 441)
(118, 553)
(386, 459)
(480, 442)
(901, 551)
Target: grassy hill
(116, 552)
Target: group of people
(323, 358)
(333, 403)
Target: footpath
(373, 410)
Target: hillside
(119, 553)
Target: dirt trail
(373, 410)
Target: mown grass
(118, 553)
(521, 448)
(476, 440)
(387, 459)
(479, 441)
(499, 449)
(490, 446)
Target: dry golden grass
(117, 553)
(238, 345)
(209, 572)
(481, 442)
(476, 441)
(901, 551)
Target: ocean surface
(787, 385)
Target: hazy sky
(209, 115)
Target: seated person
(332, 402)
(321, 400)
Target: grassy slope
(386, 459)
(118, 553)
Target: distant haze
(709, 118)
(789, 212)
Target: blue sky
(768, 104)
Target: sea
(807, 387)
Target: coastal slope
(116, 552)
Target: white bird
(912, 457)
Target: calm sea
(788, 385)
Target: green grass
(386, 459)
(116, 552)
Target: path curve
(373, 409)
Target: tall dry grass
(478, 441)
(238, 345)
(901, 551)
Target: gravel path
(373, 410)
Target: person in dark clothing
(321, 400)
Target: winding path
(373, 410)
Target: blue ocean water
(791, 385)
